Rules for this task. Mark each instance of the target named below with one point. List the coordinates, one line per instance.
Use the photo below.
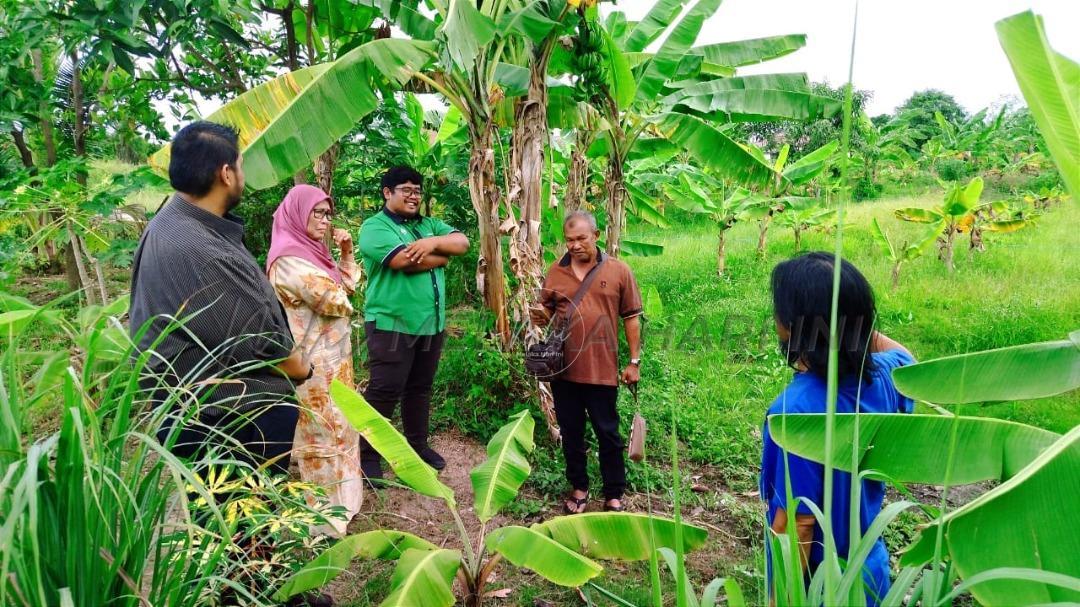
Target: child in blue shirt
(802, 299)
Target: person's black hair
(802, 302)
(199, 150)
(397, 175)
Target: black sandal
(579, 503)
(609, 508)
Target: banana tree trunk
(324, 168)
(798, 239)
(616, 203)
(763, 229)
(721, 253)
(77, 261)
(526, 180)
(484, 193)
(896, 275)
(577, 181)
(950, 239)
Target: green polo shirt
(395, 300)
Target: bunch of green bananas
(588, 63)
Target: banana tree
(1010, 545)
(787, 180)
(960, 213)
(678, 93)
(563, 550)
(802, 213)
(696, 192)
(905, 253)
(1050, 85)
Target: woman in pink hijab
(315, 291)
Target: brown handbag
(635, 448)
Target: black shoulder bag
(545, 359)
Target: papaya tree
(1007, 545)
(563, 550)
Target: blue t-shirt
(806, 394)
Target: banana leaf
(755, 105)
(618, 535)
(1015, 373)
(795, 81)
(465, 33)
(643, 208)
(918, 215)
(619, 77)
(424, 578)
(664, 65)
(659, 18)
(747, 52)
(1051, 86)
(921, 247)
(1020, 524)
(883, 240)
(382, 544)
(532, 22)
(286, 123)
(376, 429)
(915, 448)
(1006, 227)
(640, 249)
(716, 150)
(811, 165)
(551, 560)
(961, 200)
(497, 480)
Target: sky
(901, 47)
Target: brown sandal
(609, 508)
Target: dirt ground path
(406, 510)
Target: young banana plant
(960, 213)
(905, 252)
(563, 550)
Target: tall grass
(102, 513)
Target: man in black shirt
(233, 348)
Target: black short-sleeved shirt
(192, 264)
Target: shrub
(952, 169)
(478, 384)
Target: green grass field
(714, 353)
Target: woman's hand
(343, 240)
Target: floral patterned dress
(326, 447)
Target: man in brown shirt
(589, 384)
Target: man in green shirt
(405, 254)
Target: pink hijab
(289, 235)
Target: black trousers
(573, 402)
(262, 434)
(402, 370)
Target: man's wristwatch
(635, 361)
(311, 372)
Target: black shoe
(432, 458)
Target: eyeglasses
(409, 192)
(326, 214)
